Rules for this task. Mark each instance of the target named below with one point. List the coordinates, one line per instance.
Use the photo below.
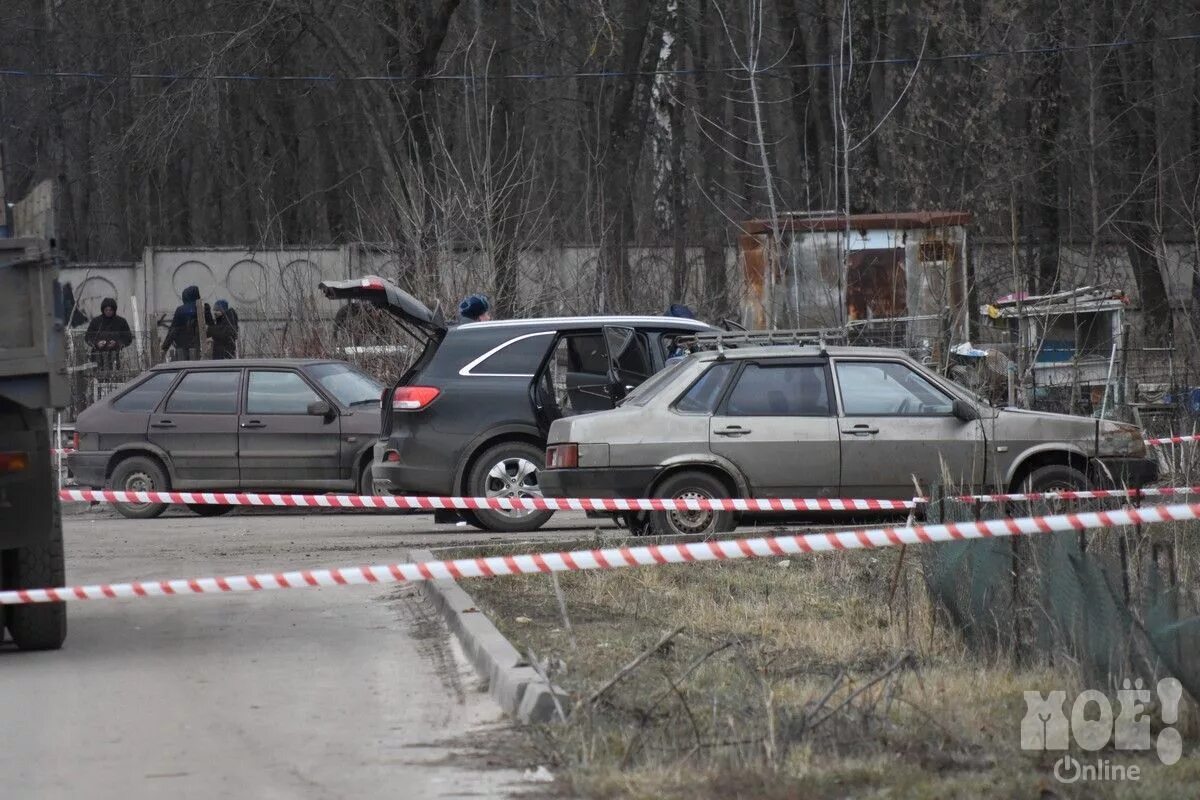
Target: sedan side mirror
(967, 412)
(320, 408)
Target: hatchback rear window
(147, 394)
(206, 393)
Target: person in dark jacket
(475, 308)
(184, 333)
(224, 330)
(108, 334)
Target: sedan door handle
(732, 430)
(861, 430)
(162, 423)
(254, 423)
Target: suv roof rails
(719, 340)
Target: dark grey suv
(239, 424)
(470, 417)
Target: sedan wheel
(692, 486)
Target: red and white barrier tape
(1172, 440)
(1092, 494)
(264, 500)
(610, 558)
(474, 503)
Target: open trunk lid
(384, 294)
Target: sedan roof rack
(719, 340)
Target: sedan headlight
(1119, 439)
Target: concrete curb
(516, 686)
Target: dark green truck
(32, 384)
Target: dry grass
(787, 681)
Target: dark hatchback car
(471, 415)
(234, 425)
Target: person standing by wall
(184, 333)
(223, 331)
(108, 334)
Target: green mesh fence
(1120, 603)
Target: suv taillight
(75, 440)
(413, 398)
(562, 456)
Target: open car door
(628, 360)
(413, 315)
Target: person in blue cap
(474, 308)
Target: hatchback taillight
(562, 456)
(75, 440)
(413, 398)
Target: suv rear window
(147, 394)
(206, 393)
(517, 357)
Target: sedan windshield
(351, 386)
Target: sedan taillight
(413, 398)
(562, 456)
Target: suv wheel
(508, 470)
(692, 485)
(139, 474)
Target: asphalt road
(316, 693)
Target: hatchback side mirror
(320, 408)
(967, 412)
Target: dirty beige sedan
(836, 422)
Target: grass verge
(812, 677)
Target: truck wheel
(139, 474)
(209, 509)
(692, 485)
(38, 626)
(1056, 478)
(509, 470)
